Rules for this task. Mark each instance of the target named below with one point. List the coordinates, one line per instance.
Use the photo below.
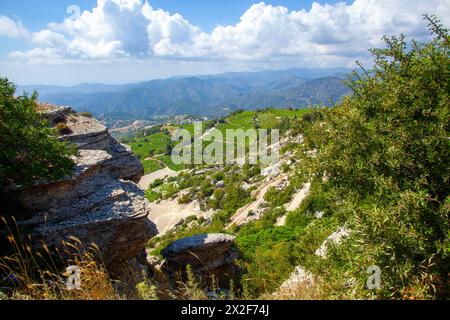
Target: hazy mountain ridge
(201, 95)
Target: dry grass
(41, 107)
(30, 274)
(300, 292)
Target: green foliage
(155, 144)
(29, 147)
(386, 154)
(146, 291)
(152, 196)
(63, 129)
(151, 166)
(185, 198)
(167, 160)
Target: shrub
(156, 183)
(386, 154)
(86, 114)
(63, 128)
(29, 147)
(59, 119)
(185, 198)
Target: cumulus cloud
(328, 34)
(12, 29)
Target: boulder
(220, 184)
(99, 203)
(271, 171)
(208, 255)
(300, 285)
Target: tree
(169, 149)
(29, 147)
(386, 152)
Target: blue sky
(117, 41)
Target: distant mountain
(201, 95)
(82, 88)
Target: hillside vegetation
(29, 148)
(379, 167)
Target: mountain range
(210, 95)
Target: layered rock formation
(208, 254)
(99, 203)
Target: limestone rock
(271, 171)
(299, 285)
(220, 184)
(99, 203)
(207, 254)
(300, 277)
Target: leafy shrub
(385, 152)
(156, 183)
(152, 196)
(185, 198)
(29, 147)
(59, 119)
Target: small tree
(29, 147)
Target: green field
(152, 149)
(156, 143)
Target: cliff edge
(99, 203)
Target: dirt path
(151, 177)
(167, 213)
(297, 199)
(241, 215)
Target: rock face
(207, 254)
(99, 203)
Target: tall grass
(28, 273)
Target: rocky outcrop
(99, 203)
(208, 254)
(301, 285)
(335, 238)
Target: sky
(66, 42)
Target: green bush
(152, 196)
(185, 198)
(29, 147)
(63, 128)
(385, 152)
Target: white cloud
(12, 29)
(325, 35)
